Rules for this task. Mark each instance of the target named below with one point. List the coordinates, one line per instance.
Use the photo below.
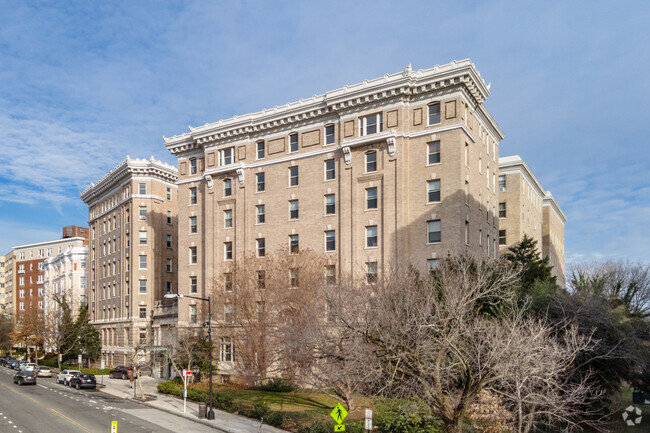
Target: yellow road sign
(339, 413)
(113, 426)
(339, 427)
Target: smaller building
(7, 285)
(526, 208)
(64, 275)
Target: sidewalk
(224, 421)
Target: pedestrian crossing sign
(339, 427)
(339, 413)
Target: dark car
(83, 380)
(120, 372)
(25, 377)
(12, 363)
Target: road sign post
(368, 419)
(113, 426)
(186, 375)
(102, 366)
(339, 414)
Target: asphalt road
(49, 407)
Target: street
(50, 407)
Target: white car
(65, 375)
(30, 366)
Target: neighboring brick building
(525, 207)
(7, 271)
(132, 264)
(401, 168)
(29, 291)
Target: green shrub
(276, 419)
(278, 385)
(409, 424)
(96, 371)
(328, 427)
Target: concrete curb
(182, 415)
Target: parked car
(11, 364)
(43, 371)
(19, 364)
(65, 376)
(29, 366)
(25, 377)
(83, 380)
(120, 372)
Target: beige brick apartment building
(525, 207)
(132, 264)
(402, 168)
(7, 271)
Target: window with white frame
(170, 288)
(371, 236)
(193, 166)
(142, 286)
(260, 149)
(194, 287)
(142, 237)
(226, 156)
(193, 196)
(260, 216)
(433, 231)
(502, 182)
(169, 193)
(433, 191)
(330, 204)
(502, 210)
(434, 113)
(433, 152)
(227, 313)
(227, 218)
(143, 262)
(371, 124)
(261, 247)
(330, 169)
(169, 217)
(293, 176)
(329, 134)
(227, 250)
(259, 182)
(169, 265)
(293, 209)
(227, 187)
(193, 225)
(293, 142)
(371, 198)
(371, 161)
(227, 350)
(330, 240)
(261, 279)
(193, 255)
(142, 188)
(294, 244)
(193, 318)
(432, 265)
(502, 237)
(371, 272)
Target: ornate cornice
(127, 169)
(407, 83)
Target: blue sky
(83, 84)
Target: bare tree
(29, 329)
(446, 338)
(187, 349)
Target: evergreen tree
(533, 268)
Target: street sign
(339, 413)
(187, 372)
(60, 358)
(103, 365)
(79, 359)
(113, 426)
(339, 427)
(368, 419)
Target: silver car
(65, 376)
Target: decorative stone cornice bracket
(347, 155)
(240, 175)
(208, 180)
(391, 145)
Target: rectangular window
(142, 188)
(371, 272)
(261, 280)
(142, 286)
(226, 156)
(169, 287)
(193, 318)
(502, 237)
(260, 216)
(330, 204)
(330, 169)
(371, 236)
(371, 198)
(143, 262)
(193, 225)
(293, 176)
(329, 134)
(330, 275)
(260, 150)
(194, 288)
(193, 166)
(433, 231)
(142, 311)
(193, 255)
(143, 238)
(227, 351)
(227, 218)
(294, 281)
(143, 212)
(371, 124)
(169, 265)
(293, 209)
(169, 217)
(330, 240)
(259, 182)
(227, 313)
(467, 193)
(432, 265)
(466, 232)
(293, 142)
(227, 187)
(294, 244)
(502, 210)
(169, 241)
(502, 182)
(227, 250)
(434, 113)
(433, 191)
(227, 281)
(193, 198)
(261, 247)
(169, 193)
(433, 152)
(467, 154)
(371, 162)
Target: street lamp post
(210, 414)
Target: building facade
(132, 253)
(29, 290)
(402, 168)
(7, 285)
(526, 208)
(64, 275)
